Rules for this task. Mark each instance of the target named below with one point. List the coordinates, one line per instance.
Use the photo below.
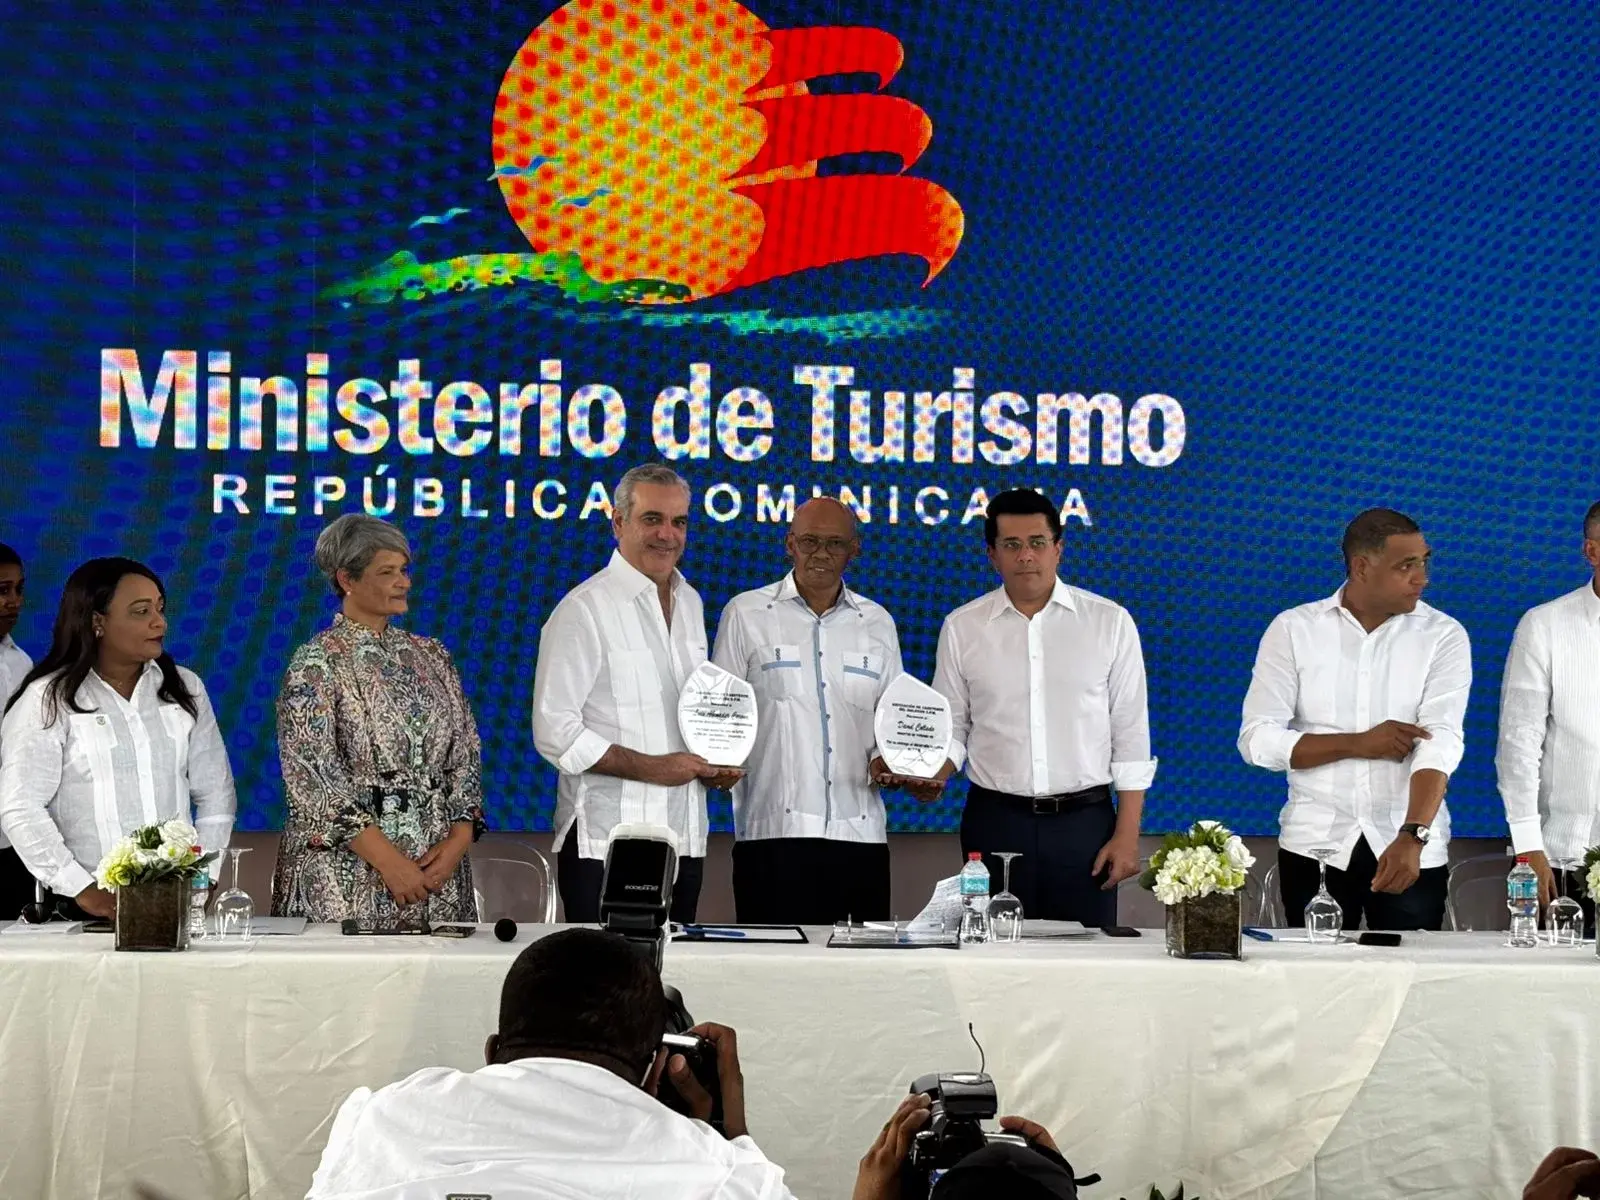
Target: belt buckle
(1046, 805)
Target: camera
(635, 899)
(960, 1102)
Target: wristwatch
(1419, 831)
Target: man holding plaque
(613, 658)
(1047, 695)
(811, 846)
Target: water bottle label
(974, 885)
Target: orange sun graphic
(676, 140)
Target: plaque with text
(717, 716)
(913, 728)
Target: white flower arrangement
(153, 852)
(1591, 860)
(1207, 859)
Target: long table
(1447, 1066)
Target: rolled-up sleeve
(1132, 767)
(211, 788)
(950, 683)
(567, 670)
(1443, 710)
(1525, 696)
(31, 754)
(1265, 737)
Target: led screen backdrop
(1212, 276)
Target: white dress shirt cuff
(1442, 752)
(1133, 776)
(589, 749)
(214, 832)
(1272, 746)
(1526, 836)
(70, 880)
(958, 753)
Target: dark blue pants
(810, 881)
(1055, 877)
(1420, 906)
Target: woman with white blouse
(108, 734)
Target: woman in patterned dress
(379, 751)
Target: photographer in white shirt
(566, 1106)
(1548, 759)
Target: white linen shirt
(817, 682)
(1319, 671)
(14, 667)
(69, 790)
(609, 673)
(548, 1127)
(1049, 705)
(1549, 754)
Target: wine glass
(1566, 914)
(1324, 917)
(1005, 910)
(234, 909)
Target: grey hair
(1591, 522)
(351, 542)
(656, 473)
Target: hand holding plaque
(913, 729)
(717, 716)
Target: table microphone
(505, 929)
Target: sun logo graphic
(674, 145)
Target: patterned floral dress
(372, 730)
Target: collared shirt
(1049, 705)
(1549, 754)
(14, 667)
(533, 1127)
(817, 682)
(609, 673)
(1319, 671)
(70, 789)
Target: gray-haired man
(612, 658)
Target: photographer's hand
(878, 1177)
(730, 1080)
(1032, 1130)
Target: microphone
(505, 929)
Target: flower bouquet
(151, 871)
(1591, 880)
(1198, 875)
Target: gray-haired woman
(379, 751)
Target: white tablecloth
(1447, 1066)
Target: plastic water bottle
(1522, 898)
(199, 892)
(974, 900)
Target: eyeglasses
(835, 546)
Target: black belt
(1041, 806)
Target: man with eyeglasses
(1047, 694)
(810, 842)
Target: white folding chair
(519, 887)
(1476, 896)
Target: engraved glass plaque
(717, 716)
(913, 728)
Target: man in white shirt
(16, 884)
(612, 659)
(567, 1105)
(1361, 699)
(819, 657)
(1549, 754)
(1047, 695)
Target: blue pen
(710, 931)
(1260, 935)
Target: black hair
(1591, 523)
(587, 992)
(9, 557)
(1019, 502)
(74, 648)
(1371, 529)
